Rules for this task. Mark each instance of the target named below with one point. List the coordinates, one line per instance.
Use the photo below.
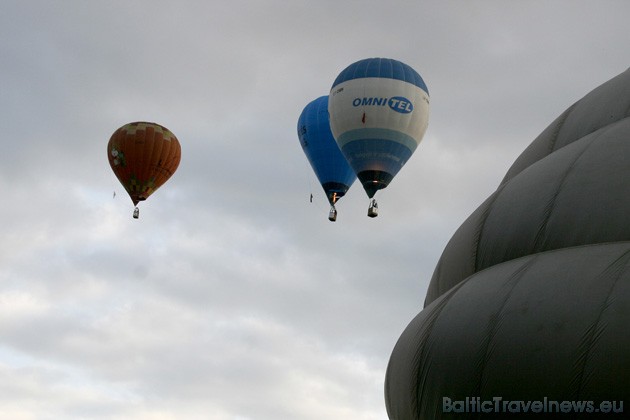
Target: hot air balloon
(143, 156)
(319, 146)
(379, 111)
(530, 300)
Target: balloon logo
(379, 112)
(322, 152)
(143, 156)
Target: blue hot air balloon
(319, 146)
(379, 111)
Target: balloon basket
(373, 209)
(332, 215)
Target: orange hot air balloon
(143, 156)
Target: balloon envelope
(143, 156)
(568, 188)
(379, 112)
(318, 143)
(551, 326)
(530, 300)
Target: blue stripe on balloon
(376, 155)
(377, 133)
(381, 67)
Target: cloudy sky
(233, 297)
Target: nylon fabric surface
(330, 166)
(513, 331)
(530, 299)
(379, 112)
(143, 157)
(573, 196)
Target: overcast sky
(233, 297)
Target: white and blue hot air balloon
(319, 146)
(379, 112)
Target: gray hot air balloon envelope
(530, 300)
